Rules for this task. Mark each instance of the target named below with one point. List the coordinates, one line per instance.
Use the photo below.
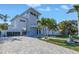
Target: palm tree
(1, 16)
(51, 24)
(67, 27)
(42, 24)
(75, 9)
(4, 17)
(38, 28)
(4, 26)
(48, 23)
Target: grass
(75, 36)
(62, 36)
(64, 44)
(66, 36)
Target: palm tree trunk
(78, 27)
(46, 33)
(78, 22)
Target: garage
(13, 33)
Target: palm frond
(71, 10)
(1, 16)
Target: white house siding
(17, 25)
(45, 31)
(32, 23)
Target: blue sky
(56, 11)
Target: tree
(4, 17)
(1, 16)
(4, 26)
(67, 27)
(51, 24)
(48, 23)
(42, 24)
(38, 28)
(75, 9)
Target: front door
(24, 33)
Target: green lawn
(63, 43)
(65, 36)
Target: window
(38, 32)
(37, 17)
(22, 20)
(33, 14)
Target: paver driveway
(28, 45)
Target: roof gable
(25, 12)
(15, 17)
(33, 10)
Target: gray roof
(15, 17)
(25, 12)
(34, 10)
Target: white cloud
(0, 10)
(65, 7)
(48, 9)
(41, 9)
(56, 9)
(45, 9)
(34, 5)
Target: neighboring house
(24, 24)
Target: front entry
(24, 33)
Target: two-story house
(24, 23)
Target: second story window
(22, 20)
(33, 14)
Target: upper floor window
(22, 20)
(34, 14)
(37, 17)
